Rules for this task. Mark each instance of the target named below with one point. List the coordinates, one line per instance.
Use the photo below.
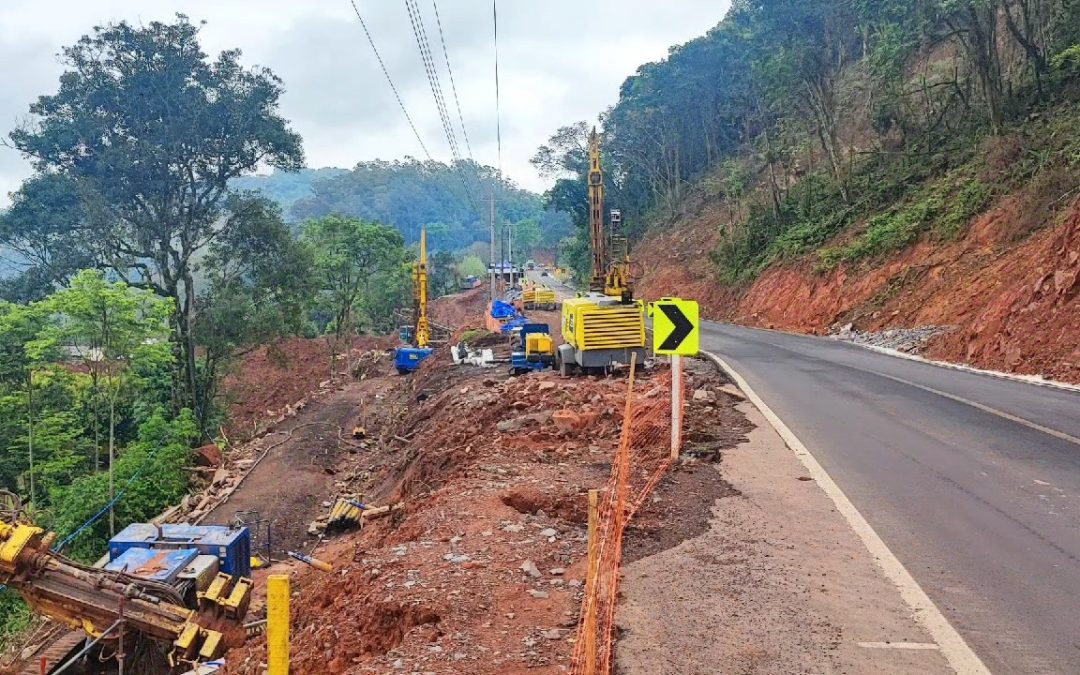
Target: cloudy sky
(559, 61)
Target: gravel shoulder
(778, 583)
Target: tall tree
(145, 123)
(107, 325)
(349, 257)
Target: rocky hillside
(1007, 285)
(808, 165)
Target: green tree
(350, 258)
(107, 325)
(46, 226)
(257, 288)
(150, 132)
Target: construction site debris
(907, 340)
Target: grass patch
(945, 209)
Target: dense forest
(410, 194)
(284, 188)
(806, 117)
(146, 269)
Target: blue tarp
(502, 310)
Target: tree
(151, 132)
(349, 256)
(257, 288)
(46, 227)
(107, 325)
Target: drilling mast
(610, 277)
(596, 214)
(420, 293)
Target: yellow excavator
(186, 587)
(605, 327)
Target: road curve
(972, 481)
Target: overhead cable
(420, 33)
(498, 121)
(390, 80)
(453, 85)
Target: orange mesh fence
(643, 457)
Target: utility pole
(510, 250)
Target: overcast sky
(559, 61)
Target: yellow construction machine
(408, 358)
(606, 326)
(171, 589)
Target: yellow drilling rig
(606, 326)
(407, 359)
(185, 587)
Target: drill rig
(163, 582)
(604, 327)
(407, 359)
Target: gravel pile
(908, 340)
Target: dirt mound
(461, 310)
(483, 571)
(270, 378)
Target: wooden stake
(590, 584)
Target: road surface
(972, 481)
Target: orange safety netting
(643, 457)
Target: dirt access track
(737, 564)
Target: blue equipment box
(232, 546)
(407, 359)
(163, 565)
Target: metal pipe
(87, 648)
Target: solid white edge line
(899, 645)
(955, 649)
(1037, 380)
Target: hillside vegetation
(829, 137)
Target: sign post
(676, 406)
(676, 333)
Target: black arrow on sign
(683, 327)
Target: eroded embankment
(1012, 301)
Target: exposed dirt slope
(1013, 303)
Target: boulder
(208, 455)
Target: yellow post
(591, 579)
(277, 624)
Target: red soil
(1013, 303)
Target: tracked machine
(185, 588)
(605, 327)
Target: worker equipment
(177, 584)
(534, 351)
(408, 359)
(606, 326)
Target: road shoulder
(778, 583)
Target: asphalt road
(973, 481)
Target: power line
(498, 120)
(390, 80)
(453, 85)
(420, 33)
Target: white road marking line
(899, 645)
(985, 408)
(954, 648)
